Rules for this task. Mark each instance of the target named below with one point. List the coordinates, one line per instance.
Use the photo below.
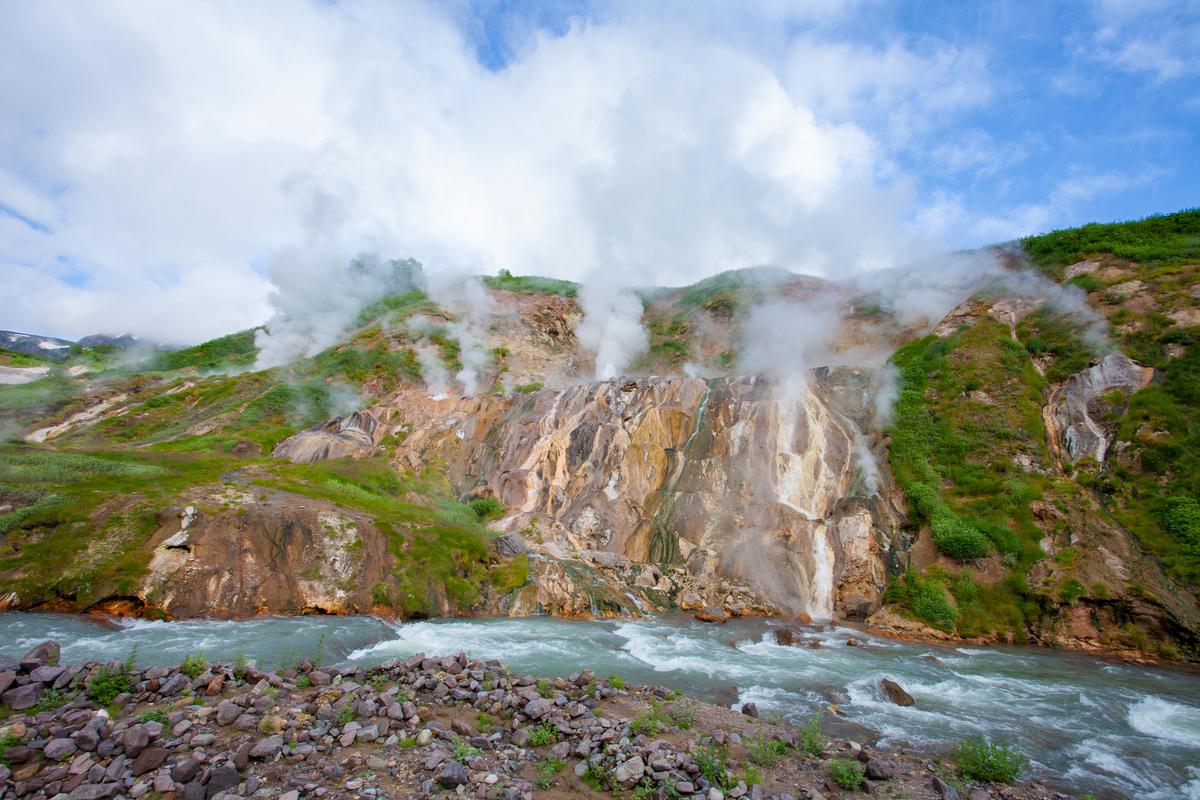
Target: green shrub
(463, 750)
(616, 682)
(713, 766)
(108, 682)
(766, 751)
(345, 715)
(52, 700)
(546, 769)
(650, 722)
(7, 741)
(487, 507)
(1071, 590)
(542, 735)
(812, 738)
(846, 773)
(981, 760)
(194, 665)
(153, 715)
(924, 597)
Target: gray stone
(944, 790)
(87, 738)
(520, 737)
(452, 776)
(750, 710)
(221, 779)
(536, 709)
(879, 769)
(95, 791)
(148, 759)
(136, 739)
(46, 674)
(23, 697)
(510, 545)
(267, 748)
(631, 770)
(47, 652)
(227, 712)
(186, 770)
(60, 749)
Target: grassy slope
(952, 451)
(178, 430)
(1152, 484)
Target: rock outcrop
(1072, 426)
(745, 479)
(355, 434)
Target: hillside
(1034, 479)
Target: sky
(174, 169)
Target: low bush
(981, 760)
(846, 773)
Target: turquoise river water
(1113, 729)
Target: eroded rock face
(1073, 429)
(273, 556)
(355, 434)
(745, 479)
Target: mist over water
(1114, 729)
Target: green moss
(530, 284)
(234, 350)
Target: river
(1114, 729)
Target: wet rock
(689, 600)
(750, 710)
(47, 652)
(712, 614)
(896, 693)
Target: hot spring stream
(1113, 729)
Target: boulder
(148, 759)
(712, 614)
(452, 776)
(23, 697)
(47, 652)
(630, 771)
(750, 710)
(896, 693)
(510, 545)
(222, 779)
(60, 749)
(267, 748)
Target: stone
(267, 748)
(690, 599)
(95, 791)
(424, 737)
(148, 759)
(452, 776)
(879, 769)
(136, 739)
(7, 678)
(712, 614)
(222, 779)
(292, 795)
(47, 652)
(23, 697)
(60, 749)
(979, 793)
(750, 710)
(510, 545)
(227, 712)
(520, 737)
(46, 674)
(943, 789)
(896, 693)
(87, 738)
(538, 708)
(630, 771)
(186, 770)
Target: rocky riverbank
(424, 726)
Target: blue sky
(176, 169)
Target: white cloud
(1157, 37)
(173, 150)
